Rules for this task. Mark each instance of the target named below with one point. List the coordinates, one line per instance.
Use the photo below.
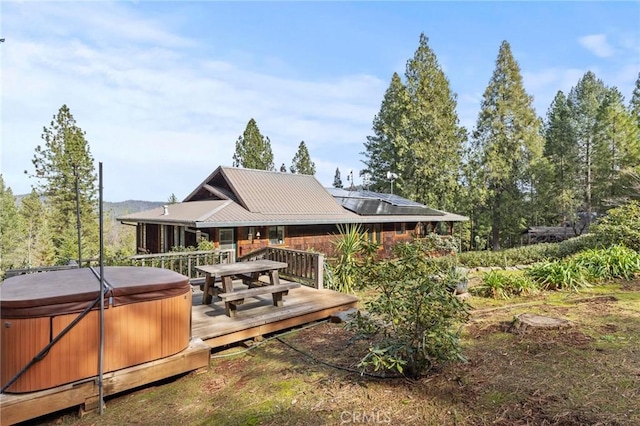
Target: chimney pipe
(166, 210)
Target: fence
(304, 267)
(184, 262)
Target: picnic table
(249, 272)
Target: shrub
(414, 317)
(527, 255)
(620, 226)
(504, 284)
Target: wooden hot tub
(147, 316)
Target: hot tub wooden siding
(135, 332)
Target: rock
(463, 296)
(343, 316)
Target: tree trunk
(495, 229)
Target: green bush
(414, 318)
(527, 255)
(504, 284)
(620, 226)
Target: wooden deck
(257, 316)
(210, 328)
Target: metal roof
(244, 197)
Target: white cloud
(161, 118)
(597, 44)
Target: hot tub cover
(60, 292)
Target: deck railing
(304, 267)
(184, 262)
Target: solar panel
(396, 200)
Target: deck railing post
(319, 267)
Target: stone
(343, 316)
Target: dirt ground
(584, 374)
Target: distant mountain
(113, 210)
(122, 208)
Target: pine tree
(301, 162)
(616, 148)
(64, 162)
(382, 149)
(434, 143)
(12, 251)
(507, 142)
(32, 213)
(634, 104)
(253, 151)
(337, 180)
(561, 152)
(584, 101)
(172, 199)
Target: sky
(164, 89)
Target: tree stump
(526, 321)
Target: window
(373, 233)
(276, 235)
(401, 228)
(248, 233)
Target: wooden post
(319, 266)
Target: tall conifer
(64, 161)
(508, 143)
(253, 151)
(301, 162)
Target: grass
(585, 374)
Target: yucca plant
(349, 244)
(559, 275)
(504, 284)
(614, 262)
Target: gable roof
(245, 197)
(261, 191)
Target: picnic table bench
(249, 272)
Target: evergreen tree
(172, 199)
(634, 104)
(432, 151)
(337, 180)
(283, 168)
(561, 151)
(11, 231)
(301, 162)
(584, 101)
(616, 148)
(381, 149)
(62, 163)
(508, 143)
(32, 213)
(253, 151)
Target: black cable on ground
(338, 367)
(279, 336)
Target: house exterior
(246, 209)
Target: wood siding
(318, 238)
(134, 333)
